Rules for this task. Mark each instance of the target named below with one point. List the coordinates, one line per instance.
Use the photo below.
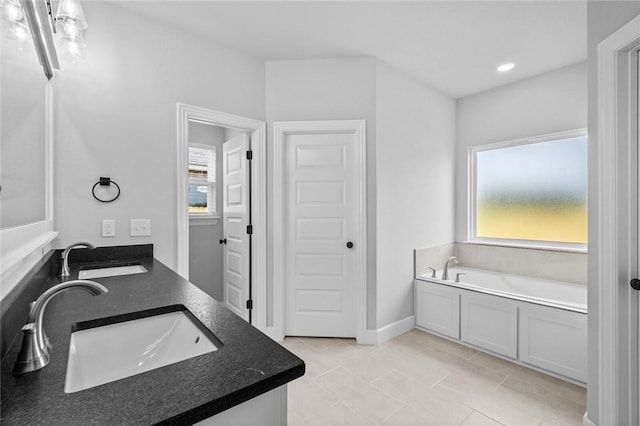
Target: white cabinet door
(236, 218)
(438, 308)
(490, 323)
(555, 340)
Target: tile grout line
(392, 414)
(466, 418)
(436, 383)
(501, 383)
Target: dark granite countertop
(248, 364)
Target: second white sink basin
(104, 354)
(112, 271)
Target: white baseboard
(388, 332)
(586, 421)
(272, 333)
(368, 336)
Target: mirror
(24, 119)
(26, 51)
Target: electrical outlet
(108, 228)
(140, 227)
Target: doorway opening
(221, 208)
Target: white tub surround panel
(489, 322)
(553, 339)
(513, 317)
(546, 264)
(438, 308)
(539, 263)
(432, 257)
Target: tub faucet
(65, 256)
(445, 270)
(36, 349)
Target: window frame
(215, 213)
(472, 236)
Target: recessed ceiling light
(506, 67)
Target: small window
(531, 192)
(202, 180)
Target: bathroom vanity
(243, 381)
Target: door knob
(349, 244)
(635, 284)
(224, 241)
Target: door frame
(280, 132)
(185, 114)
(615, 371)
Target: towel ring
(105, 181)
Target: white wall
(415, 146)
(328, 89)
(205, 251)
(116, 116)
(603, 19)
(410, 151)
(547, 103)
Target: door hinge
(250, 229)
(249, 304)
(249, 155)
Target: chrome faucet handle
(433, 272)
(458, 276)
(32, 357)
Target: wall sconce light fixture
(35, 17)
(71, 24)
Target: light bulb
(506, 67)
(11, 11)
(18, 31)
(70, 11)
(72, 48)
(70, 29)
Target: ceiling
(454, 46)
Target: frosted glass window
(535, 191)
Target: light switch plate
(140, 227)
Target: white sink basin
(104, 354)
(113, 271)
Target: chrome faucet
(65, 256)
(36, 348)
(445, 270)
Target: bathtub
(557, 294)
(537, 323)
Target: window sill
(203, 219)
(531, 246)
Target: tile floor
(420, 379)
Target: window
(202, 180)
(531, 192)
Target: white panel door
(322, 211)
(235, 201)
